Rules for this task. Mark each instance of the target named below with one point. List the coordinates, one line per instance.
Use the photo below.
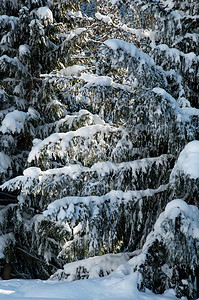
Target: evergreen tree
(98, 101)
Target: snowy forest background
(99, 141)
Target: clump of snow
(168, 97)
(73, 33)
(36, 142)
(9, 20)
(76, 14)
(6, 58)
(139, 33)
(177, 206)
(45, 15)
(24, 50)
(169, 4)
(176, 56)
(13, 122)
(78, 31)
(97, 80)
(5, 162)
(190, 111)
(83, 116)
(17, 89)
(32, 172)
(37, 23)
(114, 2)
(183, 114)
(105, 19)
(33, 113)
(170, 52)
(132, 50)
(91, 267)
(74, 70)
(183, 102)
(188, 161)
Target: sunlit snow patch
(188, 161)
(6, 292)
(97, 80)
(45, 14)
(74, 70)
(13, 122)
(104, 18)
(130, 49)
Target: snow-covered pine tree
(96, 107)
(30, 45)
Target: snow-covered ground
(112, 287)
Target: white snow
(74, 70)
(188, 161)
(75, 170)
(189, 215)
(177, 206)
(113, 287)
(32, 172)
(189, 226)
(113, 196)
(76, 14)
(132, 50)
(69, 119)
(65, 138)
(5, 162)
(104, 18)
(24, 50)
(113, 2)
(34, 23)
(184, 113)
(169, 4)
(13, 122)
(92, 266)
(45, 14)
(97, 80)
(139, 33)
(176, 55)
(6, 58)
(73, 33)
(190, 111)
(121, 284)
(33, 113)
(11, 20)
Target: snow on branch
(13, 122)
(35, 180)
(86, 145)
(92, 267)
(130, 49)
(188, 161)
(170, 253)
